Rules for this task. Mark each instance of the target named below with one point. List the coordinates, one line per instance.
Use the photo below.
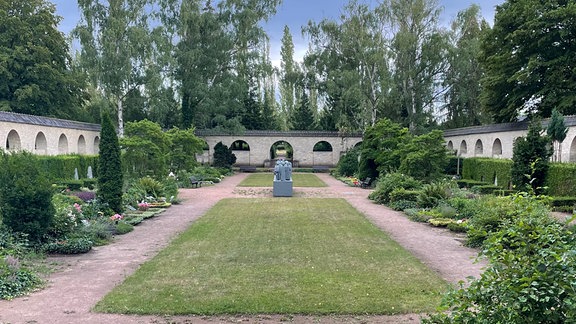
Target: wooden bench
(321, 168)
(195, 182)
(247, 168)
(365, 183)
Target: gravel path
(82, 280)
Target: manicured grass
(279, 256)
(298, 180)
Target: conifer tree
(531, 156)
(110, 179)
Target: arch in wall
(450, 146)
(478, 148)
(322, 146)
(81, 145)
(463, 147)
(239, 145)
(497, 147)
(96, 145)
(281, 149)
(13, 141)
(573, 150)
(63, 144)
(40, 144)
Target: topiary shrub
(25, 195)
(223, 156)
(110, 178)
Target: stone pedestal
(282, 188)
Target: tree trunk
(120, 119)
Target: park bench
(195, 182)
(247, 168)
(365, 183)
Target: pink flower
(78, 207)
(116, 217)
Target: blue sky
(296, 13)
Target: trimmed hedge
(63, 166)
(561, 179)
(487, 170)
(487, 189)
(467, 183)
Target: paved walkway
(83, 280)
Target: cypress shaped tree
(110, 178)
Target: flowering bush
(115, 217)
(143, 206)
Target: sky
(297, 13)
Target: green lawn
(298, 179)
(279, 256)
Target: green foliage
(145, 148)
(15, 279)
(110, 178)
(183, 148)
(424, 157)
(61, 167)
(380, 148)
(467, 183)
(525, 56)
(348, 163)
(303, 116)
(25, 195)
(530, 277)
(391, 182)
(557, 131)
(561, 179)
(35, 77)
(432, 194)
(223, 156)
(66, 217)
(530, 158)
(123, 228)
(75, 245)
(485, 190)
(487, 171)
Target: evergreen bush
(110, 178)
(223, 156)
(25, 195)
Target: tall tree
(117, 46)
(303, 117)
(530, 158)
(288, 75)
(35, 77)
(418, 48)
(557, 131)
(529, 58)
(462, 80)
(348, 60)
(110, 178)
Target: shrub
(15, 280)
(389, 183)
(403, 194)
(458, 227)
(223, 156)
(467, 183)
(530, 277)
(84, 195)
(441, 222)
(25, 195)
(431, 195)
(402, 204)
(150, 187)
(123, 228)
(485, 190)
(110, 178)
(69, 246)
(487, 170)
(348, 163)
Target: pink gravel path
(81, 281)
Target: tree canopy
(35, 74)
(529, 57)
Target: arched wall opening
(478, 148)
(242, 151)
(13, 141)
(40, 144)
(463, 148)
(497, 147)
(282, 150)
(63, 144)
(81, 145)
(96, 145)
